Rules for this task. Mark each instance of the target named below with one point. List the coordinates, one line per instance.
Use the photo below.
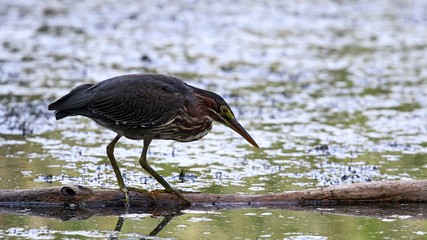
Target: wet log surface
(371, 199)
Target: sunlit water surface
(333, 92)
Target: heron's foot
(138, 190)
(174, 191)
(126, 192)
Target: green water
(235, 224)
(333, 92)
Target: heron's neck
(203, 102)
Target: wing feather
(143, 100)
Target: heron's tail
(72, 103)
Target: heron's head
(219, 110)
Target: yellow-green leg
(110, 154)
(152, 172)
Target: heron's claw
(126, 192)
(176, 192)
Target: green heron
(146, 107)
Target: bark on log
(414, 191)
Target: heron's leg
(110, 154)
(152, 172)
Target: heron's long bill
(235, 125)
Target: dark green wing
(142, 100)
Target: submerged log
(414, 191)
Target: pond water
(334, 92)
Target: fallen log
(414, 191)
(374, 199)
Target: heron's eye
(224, 110)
